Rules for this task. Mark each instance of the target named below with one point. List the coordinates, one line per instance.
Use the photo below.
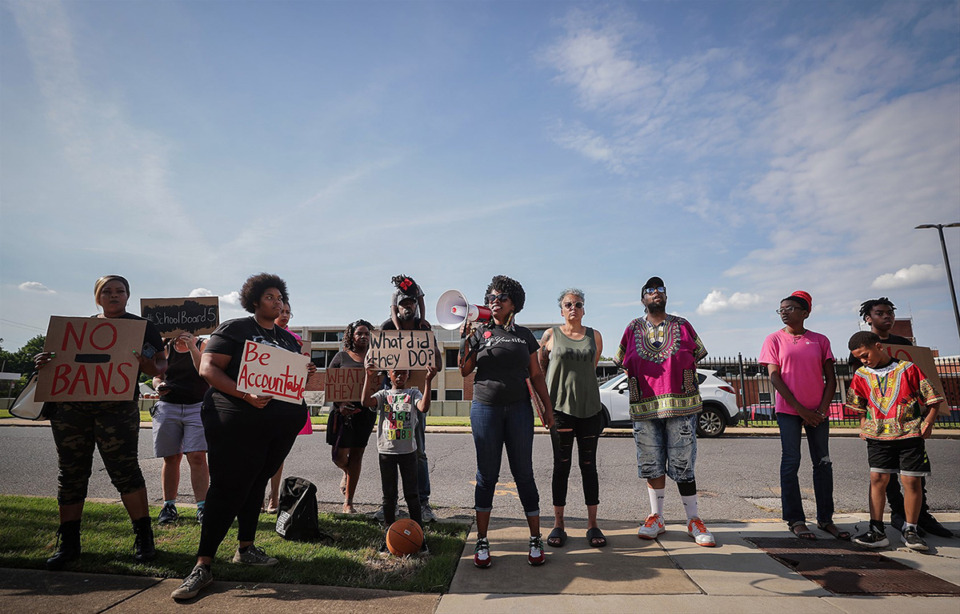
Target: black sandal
(596, 538)
(799, 528)
(834, 530)
(557, 538)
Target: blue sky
(739, 150)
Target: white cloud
(914, 275)
(718, 301)
(35, 286)
(232, 298)
(200, 292)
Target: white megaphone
(453, 309)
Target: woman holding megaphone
(504, 355)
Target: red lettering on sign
(113, 336)
(61, 379)
(126, 379)
(72, 332)
(81, 377)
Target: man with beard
(406, 312)
(660, 352)
(879, 314)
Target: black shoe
(897, 521)
(143, 547)
(872, 539)
(168, 515)
(68, 546)
(913, 541)
(929, 524)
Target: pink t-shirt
(801, 366)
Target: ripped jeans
(818, 439)
(586, 432)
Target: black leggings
(245, 448)
(587, 433)
(407, 464)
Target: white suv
(719, 403)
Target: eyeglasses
(784, 310)
(578, 305)
(660, 289)
(497, 297)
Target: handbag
(298, 518)
(26, 408)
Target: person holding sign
(398, 411)
(177, 427)
(248, 435)
(800, 365)
(350, 424)
(879, 314)
(504, 355)
(569, 355)
(114, 428)
(898, 407)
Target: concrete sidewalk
(671, 574)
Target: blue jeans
(496, 426)
(818, 439)
(666, 446)
(423, 469)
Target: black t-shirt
(503, 364)
(229, 339)
(855, 363)
(417, 325)
(150, 335)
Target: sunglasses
(660, 289)
(497, 297)
(784, 310)
(569, 305)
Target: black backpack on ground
(297, 518)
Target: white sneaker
(652, 527)
(427, 513)
(700, 534)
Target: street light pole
(946, 263)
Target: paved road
(737, 476)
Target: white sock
(656, 500)
(690, 506)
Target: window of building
(322, 358)
(453, 395)
(450, 358)
(433, 394)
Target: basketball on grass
(404, 537)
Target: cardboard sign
(93, 360)
(199, 315)
(923, 358)
(401, 349)
(272, 371)
(343, 385)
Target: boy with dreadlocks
(879, 314)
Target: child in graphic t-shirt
(898, 407)
(398, 410)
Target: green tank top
(572, 375)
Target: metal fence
(755, 393)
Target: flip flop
(557, 538)
(596, 538)
(834, 530)
(799, 528)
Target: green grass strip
(350, 558)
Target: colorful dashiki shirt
(893, 398)
(661, 365)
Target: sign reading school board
(272, 371)
(343, 385)
(923, 358)
(93, 359)
(400, 349)
(199, 315)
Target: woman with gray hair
(569, 356)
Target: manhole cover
(847, 569)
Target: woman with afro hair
(504, 356)
(248, 435)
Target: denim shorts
(666, 446)
(177, 428)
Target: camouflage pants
(114, 428)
